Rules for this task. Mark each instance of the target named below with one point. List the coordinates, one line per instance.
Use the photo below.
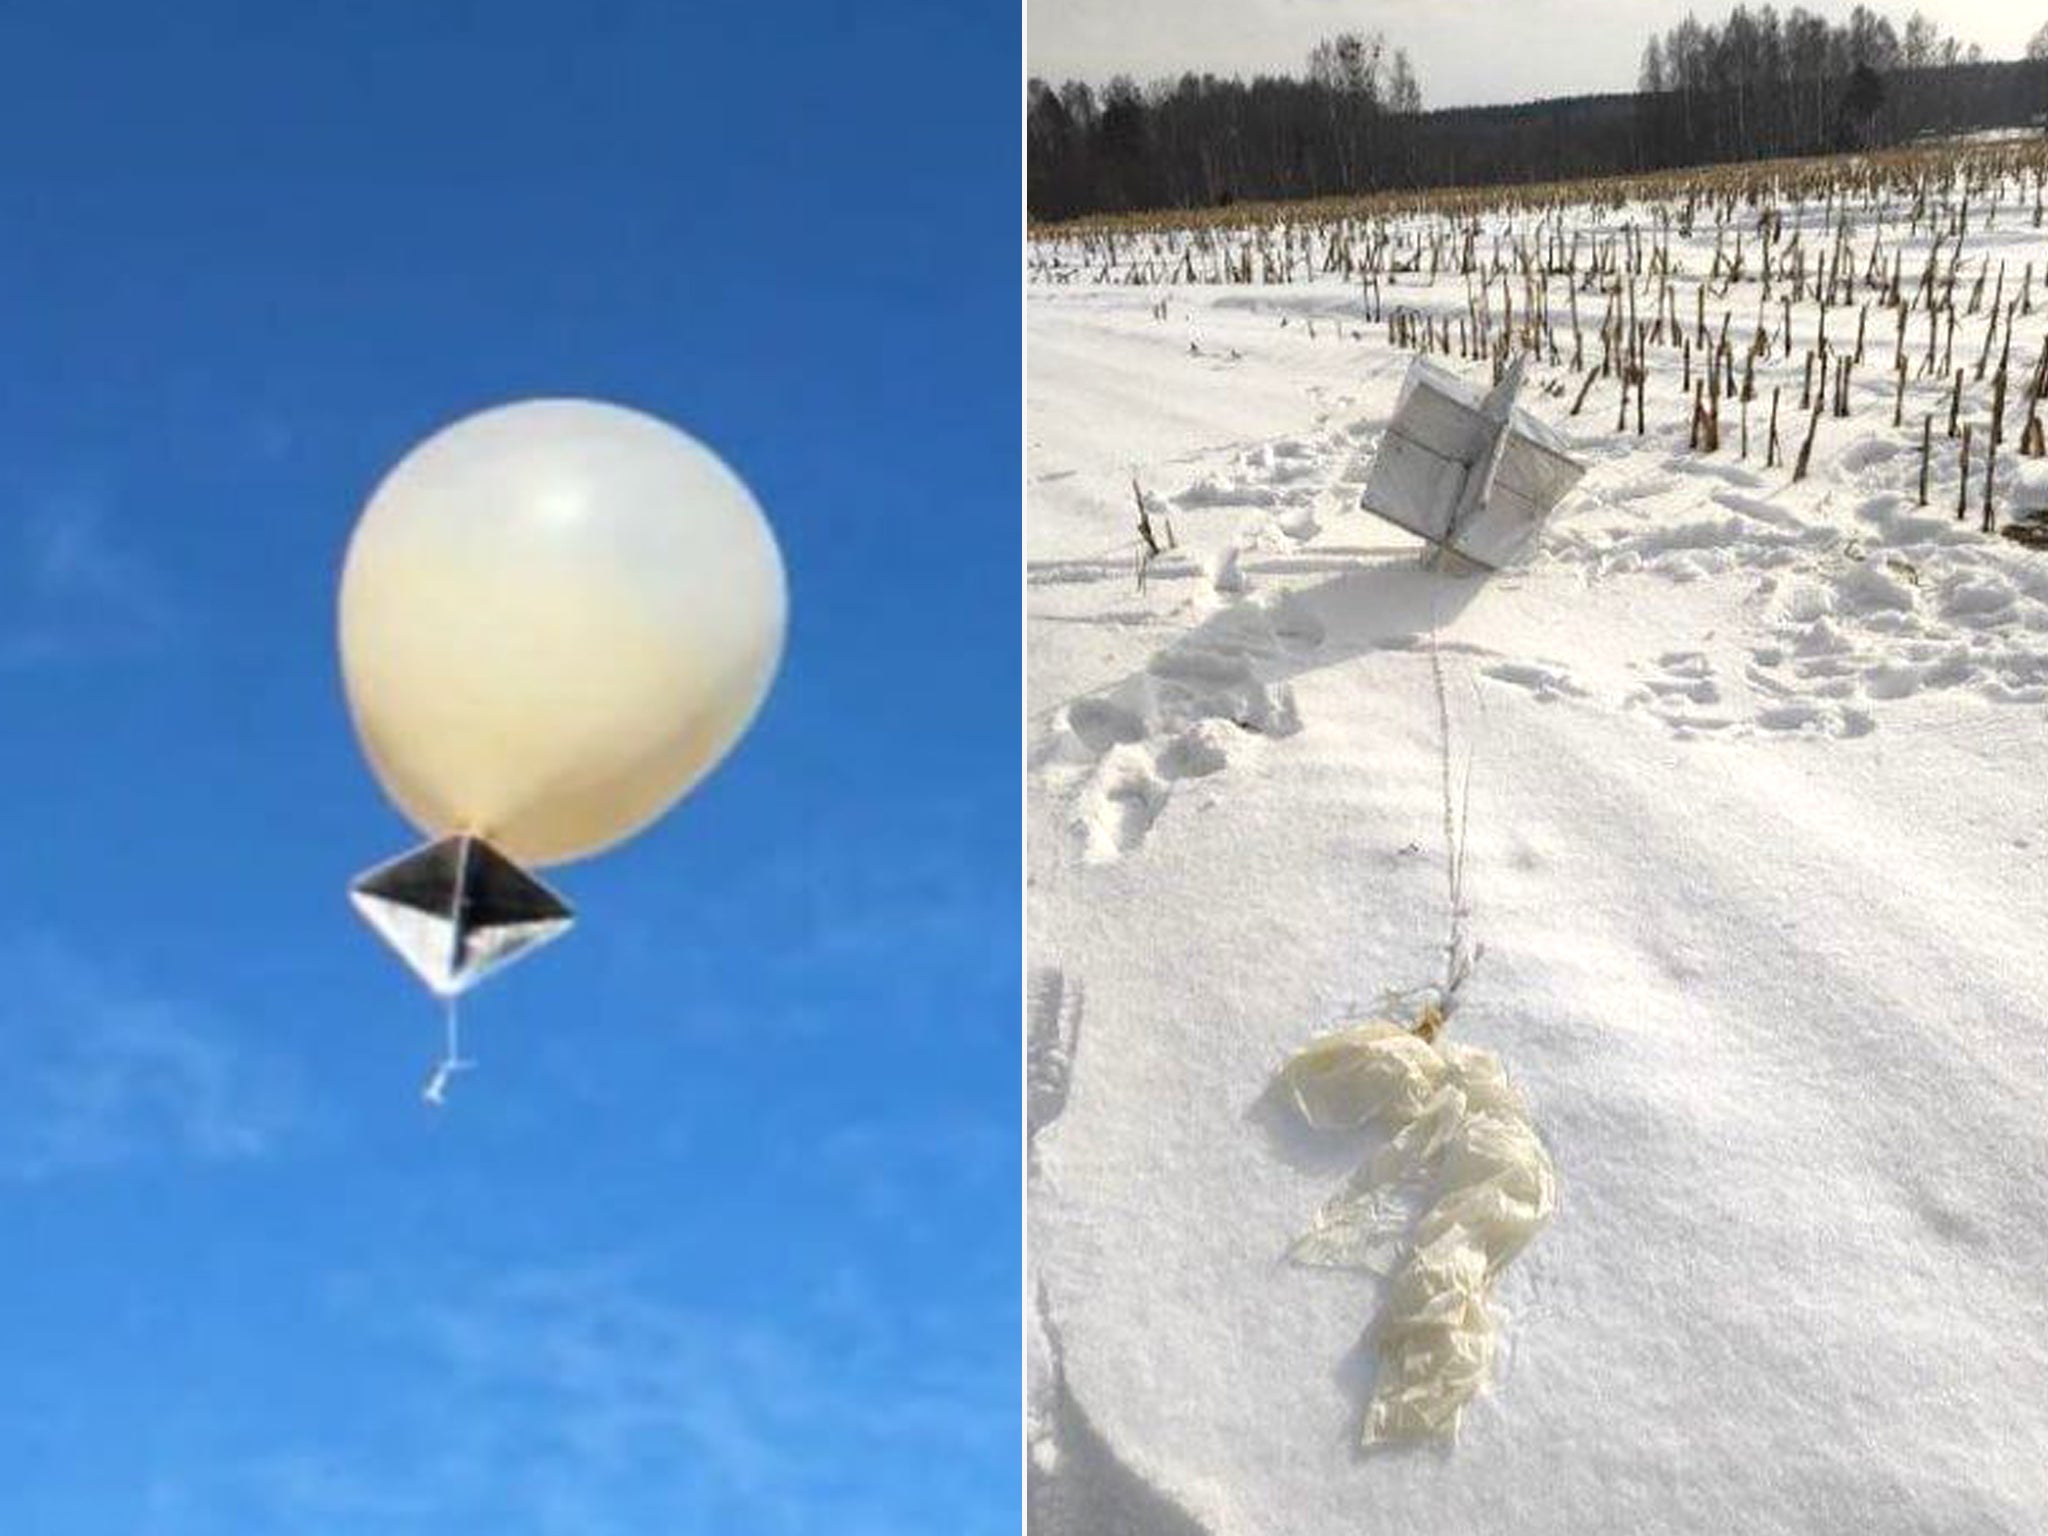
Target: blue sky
(723, 1233)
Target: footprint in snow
(1055, 1032)
(1543, 681)
(1119, 805)
(1680, 692)
(1807, 717)
(1182, 718)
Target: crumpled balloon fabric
(1460, 1189)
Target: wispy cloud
(572, 1399)
(72, 585)
(902, 914)
(94, 1074)
(889, 1170)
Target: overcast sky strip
(1464, 51)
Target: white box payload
(1468, 471)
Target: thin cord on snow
(1458, 954)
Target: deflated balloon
(556, 617)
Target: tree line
(1756, 84)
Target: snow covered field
(1756, 854)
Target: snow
(1754, 856)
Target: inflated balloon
(556, 617)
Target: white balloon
(556, 617)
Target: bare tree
(1920, 43)
(1650, 77)
(1404, 96)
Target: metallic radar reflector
(1467, 471)
(457, 910)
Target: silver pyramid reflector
(457, 909)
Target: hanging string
(451, 1062)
